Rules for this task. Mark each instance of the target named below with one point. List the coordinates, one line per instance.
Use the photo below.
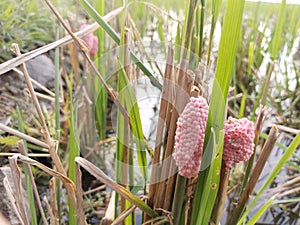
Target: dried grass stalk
(79, 194)
(163, 111)
(23, 136)
(35, 191)
(11, 197)
(53, 202)
(19, 196)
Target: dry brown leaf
(48, 170)
(11, 197)
(20, 202)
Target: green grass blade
(202, 216)
(100, 32)
(120, 145)
(100, 94)
(185, 24)
(100, 108)
(243, 104)
(135, 121)
(161, 35)
(225, 63)
(27, 177)
(121, 123)
(111, 32)
(57, 112)
(200, 27)
(261, 211)
(216, 7)
(57, 86)
(261, 97)
(177, 44)
(226, 57)
(276, 43)
(178, 202)
(73, 153)
(94, 14)
(214, 175)
(250, 57)
(188, 30)
(123, 147)
(285, 157)
(285, 201)
(211, 184)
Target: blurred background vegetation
(31, 24)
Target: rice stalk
(226, 57)
(74, 150)
(165, 107)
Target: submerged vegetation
(102, 163)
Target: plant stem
(21, 148)
(221, 196)
(201, 28)
(258, 126)
(46, 132)
(166, 100)
(179, 197)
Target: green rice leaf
(126, 92)
(211, 183)
(284, 201)
(277, 39)
(57, 91)
(100, 94)
(216, 7)
(9, 140)
(73, 152)
(243, 104)
(225, 63)
(29, 187)
(178, 202)
(250, 57)
(261, 211)
(177, 44)
(161, 35)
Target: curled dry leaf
(99, 174)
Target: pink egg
(238, 141)
(189, 138)
(91, 41)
